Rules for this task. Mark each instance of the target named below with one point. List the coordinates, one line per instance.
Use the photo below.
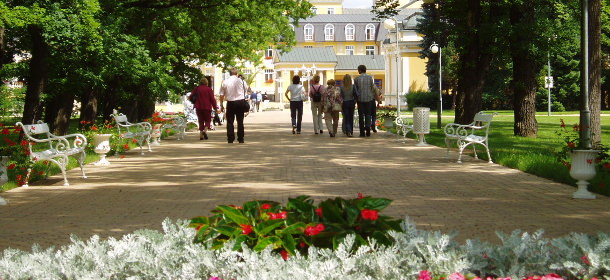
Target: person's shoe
(205, 135)
(368, 133)
(332, 135)
(316, 133)
(374, 129)
(321, 131)
(294, 130)
(241, 142)
(361, 134)
(298, 132)
(200, 135)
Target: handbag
(243, 103)
(303, 96)
(193, 96)
(337, 107)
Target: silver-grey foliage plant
(171, 254)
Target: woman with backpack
(315, 94)
(332, 102)
(297, 97)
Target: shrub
(297, 226)
(422, 99)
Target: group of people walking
(327, 102)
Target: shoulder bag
(303, 95)
(243, 103)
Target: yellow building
(333, 43)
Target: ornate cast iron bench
(44, 145)
(139, 131)
(403, 126)
(476, 132)
(178, 124)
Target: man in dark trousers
(366, 100)
(232, 90)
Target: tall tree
(595, 69)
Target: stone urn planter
(583, 169)
(388, 122)
(102, 147)
(155, 133)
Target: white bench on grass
(476, 132)
(178, 124)
(403, 126)
(139, 131)
(44, 145)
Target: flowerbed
(410, 254)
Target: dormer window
(331, 11)
(370, 31)
(329, 32)
(349, 32)
(308, 30)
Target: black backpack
(317, 96)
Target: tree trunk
(474, 67)
(59, 111)
(2, 47)
(595, 68)
(88, 111)
(38, 75)
(525, 71)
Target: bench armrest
(459, 130)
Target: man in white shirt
(232, 90)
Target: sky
(366, 4)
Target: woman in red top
(204, 103)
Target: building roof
(335, 18)
(351, 62)
(308, 55)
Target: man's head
(361, 69)
(233, 71)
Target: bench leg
(148, 142)
(81, 161)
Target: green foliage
(298, 225)
(422, 99)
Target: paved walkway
(183, 179)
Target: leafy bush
(422, 99)
(259, 224)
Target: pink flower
(425, 275)
(456, 276)
(369, 214)
(266, 206)
(319, 212)
(360, 196)
(585, 260)
(214, 278)
(276, 216)
(314, 230)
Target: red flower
(563, 125)
(590, 161)
(571, 144)
(284, 254)
(94, 128)
(122, 156)
(302, 244)
(126, 146)
(607, 165)
(266, 206)
(311, 230)
(276, 216)
(360, 195)
(11, 166)
(575, 127)
(134, 141)
(319, 212)
(585, 260)
(5, 131)
(368, 214)
(9, 142)
(246, 229)
(199, 227)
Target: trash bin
(421, 124)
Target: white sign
(548, 82)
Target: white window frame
(331, 11)
(308, 32)
(268, 74)
(350, 50)
(314, 10)
(369, 31)
(269, 52)
(369, 50)
(329, 32)
(308, 47)
(350, 32)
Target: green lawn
(535, 155)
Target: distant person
(204, 103)
(376, 104)
(259, 99)
(315, 96)
(232, 90)
(297, 92)
(366, 100)
(332, 103)
(348, 92)
(252, 100)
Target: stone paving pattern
(184, 179)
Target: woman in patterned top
(332, 102)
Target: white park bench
(476, 132)
(139, 131)
(178, 124)
(403, 125)
(45, 146)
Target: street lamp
(389, 24)
(435, 48)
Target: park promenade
(183, 179)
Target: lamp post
(435, 48)
(308, 73)
(389, 24)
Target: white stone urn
(583, 169)
(3, 176)
(155, 133)
(102, 147)
(388, 122)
